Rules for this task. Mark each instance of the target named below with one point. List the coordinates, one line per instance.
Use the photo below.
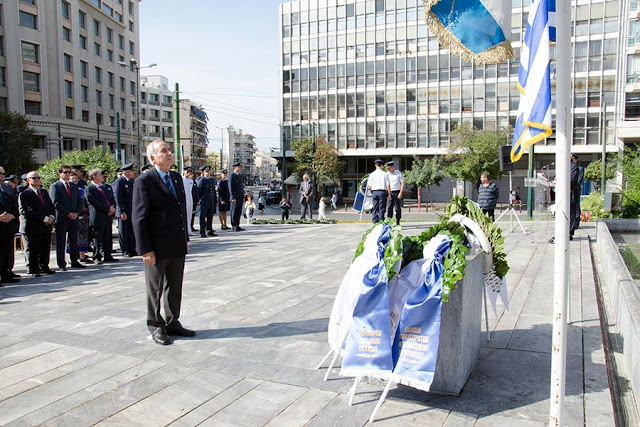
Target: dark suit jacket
(123, 191)
(206, 191)
(159, 220)
(575, 184)
(237, 187)
(62, 202)
(9, 204)
(33, 212)
(223, 190)
(98, 206)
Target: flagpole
(561, 258)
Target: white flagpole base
(335, 356)
(380, 402)
(324, 360)
(352, 392)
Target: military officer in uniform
(237, 196)
(123, 192)
(207, 197)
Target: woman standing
(224, 199)
(187, 181)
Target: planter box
(461, 329)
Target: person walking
(160, 227)
(396, 183)
(36, 220)
(237, 196)
(68, 205)
(207, 197)
(123, 192)
(187, 182)
(306, 197)
(488, 193)
(334, 200)
(224, 199)
(378, 184)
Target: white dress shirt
(378, 180)
(395, 180)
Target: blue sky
(220, 52)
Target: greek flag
(534, 115)
(477, 30)
(552, 20)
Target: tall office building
(59, 65)
(242, 148)
(374, 79)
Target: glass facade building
(375, 81)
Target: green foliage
(94, 158)
(474, 151)
(594, 203)
(324, 164)
(593, 171)
(425, 173)
(631, 182)
(19, 143)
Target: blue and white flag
(367, 348)
(477, 30)
(534, 82)
(417, 338)
(552, 21)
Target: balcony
(633, 83)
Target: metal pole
(118, 140)
(313, 162)
(284, 163)
(176, 113)
(140, 161)
(603, 169)
(59, 141)
(3, 141)
(162, 132)
(531, 174)
(561, 258)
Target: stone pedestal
(461, 329)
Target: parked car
(273, 197)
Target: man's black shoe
(10, 280)
(78, 265)
(211, 233)
(12, 274)
(111, 259)
(63, 268)
(161, 338)
(36, 275)
(48, 271)
(181, 331)
(238, 229)
(203, 235)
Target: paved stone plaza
(74, 348)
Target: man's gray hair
(93, 172)
(151, 149)
(305, 176)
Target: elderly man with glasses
(36, 218)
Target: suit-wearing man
(236, 187)
(123, 192)
(13, 226)
(160, 226)
(306, 197)
(8, 208)
(36, 219)
(207, 196)
(101, 208)
(68, 204)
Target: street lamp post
(134, 64)
(313, 153)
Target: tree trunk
(430, 198)
(419, 197)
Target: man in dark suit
(237, 196)
(13, 226)
(207, 196)
(66, 199)
(101, 208)
(160, 226)
(123, 189)
(36, 218)
(8, 213)
(574, 202)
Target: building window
(69, 113)
(29, 1)
(1, 45)
(112, 121)
(107, 9)
(3, 77)
(110, 78)
(31, 81)
(28, 20)
(97, 49)
(67, 144)
(121, 41)
(130, 8)
(66, 34)
(109, 55)
(84, 144)
(30, 53)
(109, 35)
(85, 116)
(65, 8)
(82, 19)
(98, 72)
(68, 63)
(132, 48)
(84, 69)
(123, 105)
(84, 93)
(122, 84)
(96, 27)
(99, 98)
(83, 42)
(166, 99)
(33, 107)
(131, 26)
(111, 101)
(166, 115)
(132, 87)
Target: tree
(324, 164)
(212, 160)
(631, 182)
(19, 143)
(424, 173)
(593, 171)
(94, 158)
(474, 151)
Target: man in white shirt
(378, 183)
(396, 182)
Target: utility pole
(59, 141)
(176, 113)
(532, 174)
(118, 142)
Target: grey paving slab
(74, 348)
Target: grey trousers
(164, 288)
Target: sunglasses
(66, 172)
(34, 177)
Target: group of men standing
(387, 190)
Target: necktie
(104, 195)
(40, 197)
(167, 181)
(68, 189)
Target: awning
(292, 180)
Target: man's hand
(49, 221)
(149, 258)
(222, 202)
(123, 216)
(233, 200)
(72, 215)
(112, 210)
(6, 217)
(400, 195)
